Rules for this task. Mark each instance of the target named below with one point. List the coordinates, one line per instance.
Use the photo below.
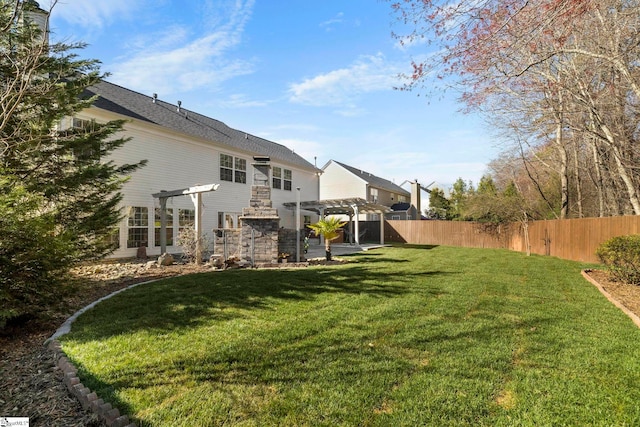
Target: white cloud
(171, 61)
(339, 87)
(330, 23)
(242, 101)
(91, 13)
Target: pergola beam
(350, 206)
(196, 196)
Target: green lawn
(402, 336)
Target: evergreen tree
(59, 193)
(459, 194)
(439, 205)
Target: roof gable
(374, 181)
(138, 106)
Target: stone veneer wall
(231, 239)
(260, 224)
(287, 243)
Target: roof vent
(155, 98)
(179, 106)
(246, 136)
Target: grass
(400, 336)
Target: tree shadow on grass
(188, 301)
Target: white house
(341, 181)
(184, 149)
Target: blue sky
(316, 76)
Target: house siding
(175, 161)
(338, 183)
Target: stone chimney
(32, 12)
(415, 200)
(260, 221)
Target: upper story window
(281, 178)
(287, 179)
(90, 151)
(233, 169)
(373, 195)
(83, 124)
(276, 178)
(402, 198)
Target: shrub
(621, 255)
(188, 241)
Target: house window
(186, 218)
(226, 167)
(373, 195)
(138, 223)
(233, 169)
(228, 220)
(281, 178)
(113, 238)
(169, 229)
(241, 171)
(90, 150)
(402, 198)
(277, 178)
(287, 179)
(395, 217)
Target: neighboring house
(419, 197)
(341, 181)
(184, 149)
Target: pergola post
(163, 225)
(321, 237)
(196, 197)
(197, 201)
(381, 213)
(351, 228)
(357, 223)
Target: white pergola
(196, 197)
(352, 207)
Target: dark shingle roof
(375, 181)
(138, 106)
(401, 206)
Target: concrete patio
(337, 249)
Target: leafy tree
(328, 228)
(558, 74)
(59, 193)
(439, 205)
(459, 194)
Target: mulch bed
(32, 386)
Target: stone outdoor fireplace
(260, 221)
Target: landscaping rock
(165, 259)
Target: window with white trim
(281, 178)
(233, 169)
(276, 178)
(228, 220)
(138, 224)
(373, 195)
(186, 218)
(91, 151)
(287, 179)
(158, 229)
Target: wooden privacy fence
(574, 239)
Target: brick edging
(87, 398)
(632, 315)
